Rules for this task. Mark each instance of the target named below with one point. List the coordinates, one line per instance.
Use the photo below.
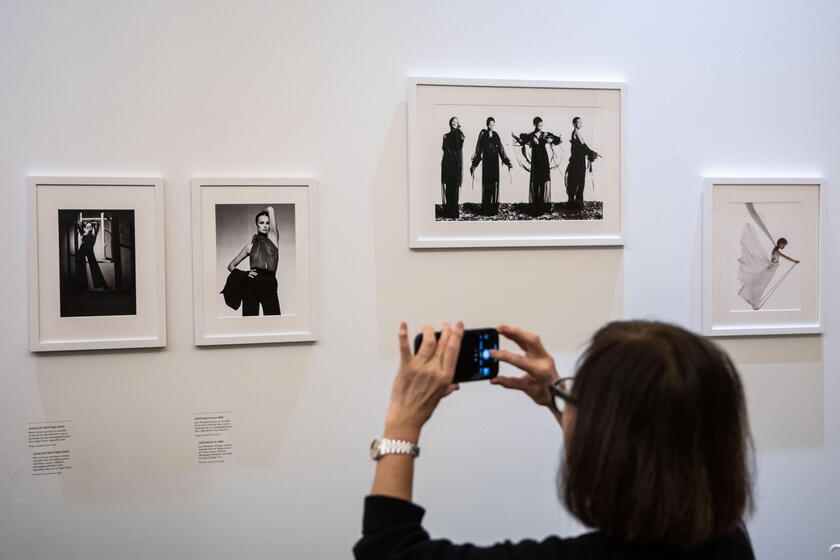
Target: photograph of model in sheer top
(255, 259)
(255, 270)
(514, 163)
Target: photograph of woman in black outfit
(539, 187)
(656, 455)
(580, 161)
(88, 232)
(260, 285)
(488, 152)
(96, 248)
(452, 168)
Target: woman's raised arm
(272, 225)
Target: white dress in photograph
(755, 267)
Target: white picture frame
(743, 296)
(513, 103)
(102, 286)
(223, 219)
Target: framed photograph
(762, 248)
(496, 163)
(255, 256)
(96, 275)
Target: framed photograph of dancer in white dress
(762, 270)
(96, 251)
(498, 163)
(255, 261)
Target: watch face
(374, 449)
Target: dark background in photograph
(235, 226)
(97, 268)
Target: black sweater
(391, 530)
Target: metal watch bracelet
(386, 446)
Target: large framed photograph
(96, 247)
(495, 163)
(255, 260)
(762, 248)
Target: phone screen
(474, 361)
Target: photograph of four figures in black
(539, 152)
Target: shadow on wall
(132, 414)
(562, 293)
(783, 381)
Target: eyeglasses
(562, 391)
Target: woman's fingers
(405, 349)
(450, 389)
(519, 383)
(452, 349)
(445, 333)
(513, 359)
(427, 347)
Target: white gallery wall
(288, 89)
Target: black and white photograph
(538, 155)
(509, 163)
(254, 261)
(96, 248)
(97, 278)
(761, 266)
(762, 257)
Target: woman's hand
(422, 380)
(252, 273)
(536, 362)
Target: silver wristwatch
(385, 446)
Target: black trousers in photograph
(575, 182)
(540, 197)
(490, 198)
(450, 200)
(260, 290)
(84, 254)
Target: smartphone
(474, 361)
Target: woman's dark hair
(487, 122)
(780, 241)
(576, 119)
(537, 120)
(660, 448)
(260, 213)
(450, 121)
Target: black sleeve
(391, 530)
(502, 153)
(476, 159)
